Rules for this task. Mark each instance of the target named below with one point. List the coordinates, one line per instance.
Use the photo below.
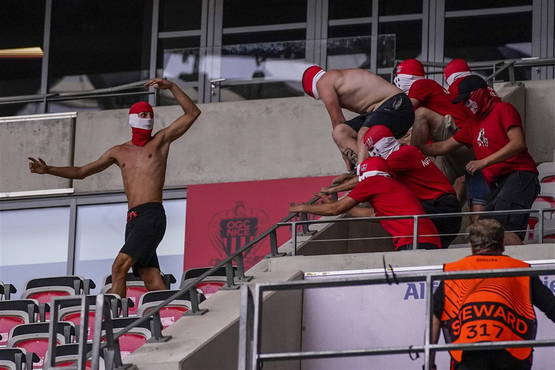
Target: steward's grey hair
(486, 236)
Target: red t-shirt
(389, 197)
(419, 173)
(489, 135)
(432, 96)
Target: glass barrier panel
(101, 234)
(33, 244)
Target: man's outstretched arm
(190, 109)
(326, 209)
(39, 166)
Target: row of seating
(24, 322)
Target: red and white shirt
(389, 197)
(432, 96)
(419, 173)
(489, 135)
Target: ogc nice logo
(232, 229)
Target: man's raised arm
(190, 109)
(39, 166)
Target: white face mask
(404, 82)
(138, 122)
(384, 147)
(472, 105)
(456, 75)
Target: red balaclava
(407, 72)
(310, 78)
(141, 128)
(455, 69)
(380, 141)
(481, 101)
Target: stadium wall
(232, 141)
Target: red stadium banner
(224, 217)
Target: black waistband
(145, 206)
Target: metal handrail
(251, 316)
(540, 212)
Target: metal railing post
(294, 234)
(156, 329)
(415, 232)
(428, 320)
(195, 310)
(304, 217)
(540, 226)
(245, 329)
(230, 280)
(241, 269)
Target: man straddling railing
(489, 309)
(388, 197)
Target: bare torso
(143, 170)
(361, 91)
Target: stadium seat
(16, 358)
(135, 288)
(211, 284)
(68, 354)
(172, 311)
(71, 311)
(16, 312)
(546, 172)
(34, 338)
(44, 289)
(6, 290)
(133, 339)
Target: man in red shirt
(388, 197)
(437, 119)
(419, 173)
(497, 138)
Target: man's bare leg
(120, 267)
(426, 121)
(152, 278)
(346, 140)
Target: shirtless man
(142, 161)
(360, 91)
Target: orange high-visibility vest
(489, 309)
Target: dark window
(349, 52)
(255, 12)
(23, 21)
(249, 38)
(180, 15)
(482, 4)
(395, 7)
(96, 44)
(341, 9)
(503, 36)
(350, 31)
(408, 39)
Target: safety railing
(416, 218)
(497, 67)
(250, 325)
(240, 277)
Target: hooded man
(497, 138)
(142, 162)
(363, 92)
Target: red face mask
(481, 102)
